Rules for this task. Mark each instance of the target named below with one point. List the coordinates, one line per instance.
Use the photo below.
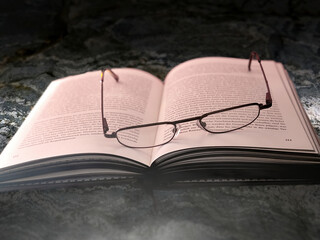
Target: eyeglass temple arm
(104, 120)
(255, 55)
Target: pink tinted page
(67, 118)
(207, 84)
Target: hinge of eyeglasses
(105, 125)
(268, 99)
(111, 135)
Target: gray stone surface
(129, 212)
(45, 40)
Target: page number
(288, 140)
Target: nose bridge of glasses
(179, 126)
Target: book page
(294, 97)
(204, 85)
(67, 118)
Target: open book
(62, 140)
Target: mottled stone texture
(45, 40)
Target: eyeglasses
(219, 121)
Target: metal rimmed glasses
(219, 121)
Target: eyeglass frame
(268, 104)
